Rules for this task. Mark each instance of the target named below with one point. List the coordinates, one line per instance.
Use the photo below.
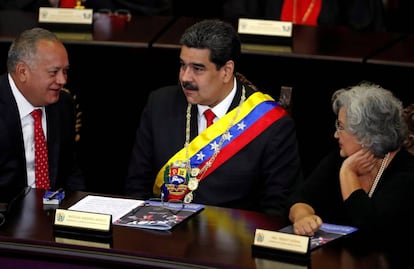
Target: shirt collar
(221, 108)
(24, 107)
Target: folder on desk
(328, 232)
(157, 215)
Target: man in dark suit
(248, 158)
(37, 67)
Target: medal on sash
(193, 184)
(179, 183)
(195, 171)
(193, 181)
(188, 197)
(175, 180)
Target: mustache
(189, 86)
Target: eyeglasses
(339, 128)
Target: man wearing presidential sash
(247, 158)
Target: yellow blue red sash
(256, 113)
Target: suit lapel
(9, 112)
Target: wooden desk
(399, 53)
(323, 43)
(140, 31)
(395, 65)
(215, 238)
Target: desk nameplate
(282, 241)
(83, 220)
(265, 31)
(65, 15)
(265, 27)
(281, 246)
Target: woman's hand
(355, 166)
(307, 225)
(360, 163)
(304, 219)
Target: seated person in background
(37, 67)
(248, 158)
(356, 14)
(369, 183)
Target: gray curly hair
(374, 116)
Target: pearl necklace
(379, 174)
(196, 174)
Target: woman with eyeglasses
(368, 182)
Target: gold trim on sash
(216, 129)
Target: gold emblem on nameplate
(188, 198)
(192, 184)
(195, 172)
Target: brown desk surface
(326, 43)
(399, 53)
(323, 43)
(215, 238)
(330, 43)
(338, 43)
(138, 32)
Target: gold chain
(223, 137)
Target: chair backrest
(78, 112)
(409, 119)
(285, 96)
(244, 80)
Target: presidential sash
(243, 123)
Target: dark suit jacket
(63, 169)
(259, 177)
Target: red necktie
(209, 115)
(41, 159)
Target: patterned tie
(41, 159)
(209, 115)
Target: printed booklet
(158, 215)
(328, 232)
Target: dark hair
(219, 37)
